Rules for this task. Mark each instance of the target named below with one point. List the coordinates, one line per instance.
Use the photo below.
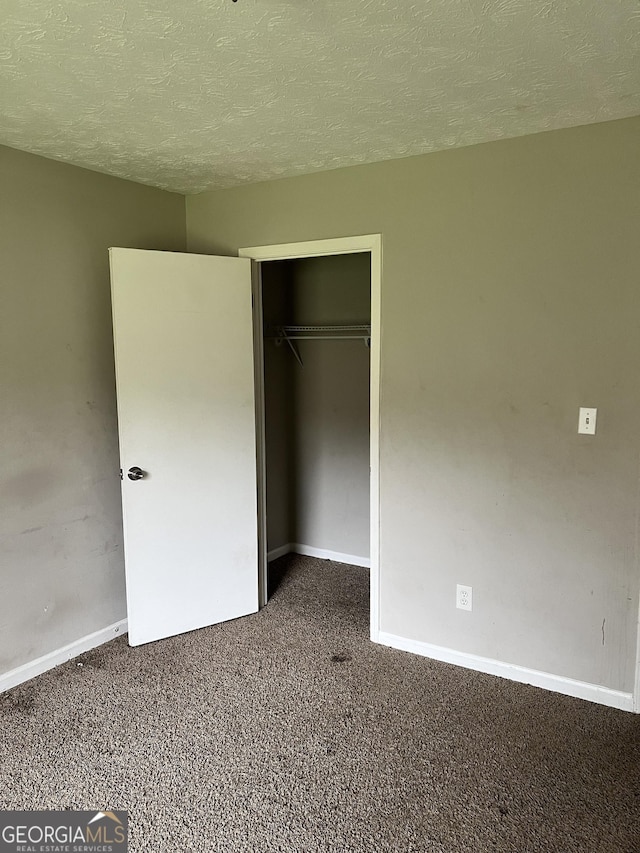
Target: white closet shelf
(354, 332)
(359, 331)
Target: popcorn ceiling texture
(202, 94)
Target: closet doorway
(317, 364)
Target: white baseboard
(321, 553)
(555, 683)
(84, 644)
(279, 552)
(335, 556)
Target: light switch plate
(587, 421)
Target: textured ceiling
(197, 94)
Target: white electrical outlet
(464, 597)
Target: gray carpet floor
(289, 731)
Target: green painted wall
(510, 298)
(61, 561)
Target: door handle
(136, 473)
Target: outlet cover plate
(464, 597)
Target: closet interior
(316, 327)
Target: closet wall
(317, 416)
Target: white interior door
(185, 383)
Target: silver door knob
(136, 473)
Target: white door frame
(371, 243)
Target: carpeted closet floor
(289, 731)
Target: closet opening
(316, 345)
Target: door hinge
(121, 475)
